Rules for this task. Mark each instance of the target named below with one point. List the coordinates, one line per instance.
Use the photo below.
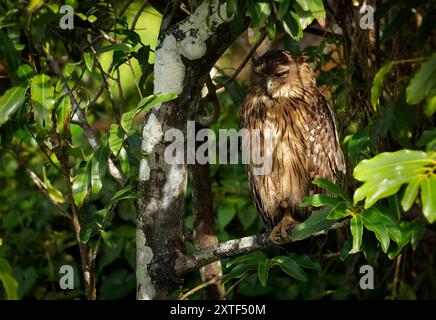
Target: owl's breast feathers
(304, 147)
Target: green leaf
(25, 72)
(116, 138)
(81, 183)
(122, 194)
(98, 169)
(271, 29)
(55, 195)
(10, 285)
(316, 223)
(7, 50)
(113, 47)
(430, 105)
(124, 161)
(332, 188)
(377, 83)
(262, 271)
(254, 257)
(146, 104)
(127, 120)
(239, 271)
(63, 110)
(428, 139)
(305, 17)
(428, 198)
(85, 234)
(339, 211)
(316, 7)
(238, 21)
(290, 267)
(356, 228)
(231, 7)
(319, 200)
(422, 82)
(282, 9)
(410, 194)
(384, 174)
(417, 233)
(11, 101)
(382, 225)
(305, 261)
(42, 93)
(291, 25)
(106, 238)
(89, 60)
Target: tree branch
(236, 247)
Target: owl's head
(281, 74)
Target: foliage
(64, 132)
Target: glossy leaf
(9, 284)
(147, 103)
(290, 267)
(116, 138)
(98, 169)
(42, 94)
(81, 184)
(356, 227)
(339, 211)
(262, 272)
(316, 222)
(428, 198)
(384, 174)
(319, 200)
(11, 101)
(422, 82)
(291, 25)
(89, 60)
(333, 188)
(113, 47)
(383, 227)
(377, 83)
(55, 195)
(305, 261)
(63, 110)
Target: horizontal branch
(236, 247)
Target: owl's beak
(269, 87)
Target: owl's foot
(280, 233)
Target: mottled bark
(180, 67)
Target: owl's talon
(280, 233)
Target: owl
(283, 99)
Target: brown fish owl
(283, 98)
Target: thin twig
(92, 139)
(201, 286)
(236, 284)
(138, 14)
(244, 62)
(39, 183)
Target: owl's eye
(281, 74)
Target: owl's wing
(324, 153)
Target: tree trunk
(186, 52)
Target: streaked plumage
(283, 97)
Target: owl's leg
(280, 232)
